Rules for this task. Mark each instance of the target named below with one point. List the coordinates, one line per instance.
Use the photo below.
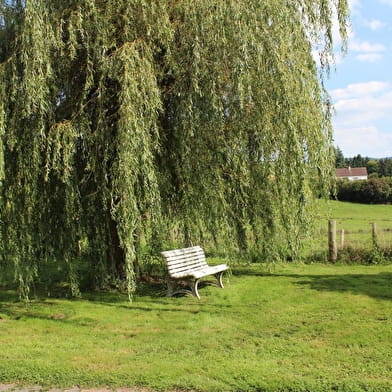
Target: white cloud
(369, 57)
(361, 111)
(374, 24)
(364, 110)
(367, 51)
(367, 47)
(360, 90)
(387, 2)
(367, 141)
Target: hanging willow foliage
(134, 123)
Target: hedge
(372, 191)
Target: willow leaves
(128, 125)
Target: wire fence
(337, 239)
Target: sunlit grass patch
(299, 328)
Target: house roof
(351, 172)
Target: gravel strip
(38, 388)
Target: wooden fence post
(333, 251)
(342, 238)
(374, 235)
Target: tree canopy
(127, 124)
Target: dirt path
(38, 388)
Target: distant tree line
(376, 168)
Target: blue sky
(361, 84)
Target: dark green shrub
(372, 191)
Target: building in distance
(352, 173)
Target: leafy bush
(351, 255)
(354, 256)
(372, 191)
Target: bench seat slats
(190, 267)
(186, 260)
(200, 273)
(186, 272)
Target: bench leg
(218, 277)
(194, 285)
(170, 288)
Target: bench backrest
(182, 260)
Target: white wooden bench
(189, 264)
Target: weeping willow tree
(134, 123)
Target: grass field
(300, 328)
(356, 221)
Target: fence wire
(351, 234)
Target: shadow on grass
(148, 298)
(253, 271)
(377, 286)
(372, 285)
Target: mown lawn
(301, 328)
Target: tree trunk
(115, 253)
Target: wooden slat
(183, 255)
(186, 260)
(190, 264)
(190, 270)
(179, 252)
(187, 268)
(199, 273)
(182, 250)
(211, 270)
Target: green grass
(356, 221)
(302, 328)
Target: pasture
(356, 221)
